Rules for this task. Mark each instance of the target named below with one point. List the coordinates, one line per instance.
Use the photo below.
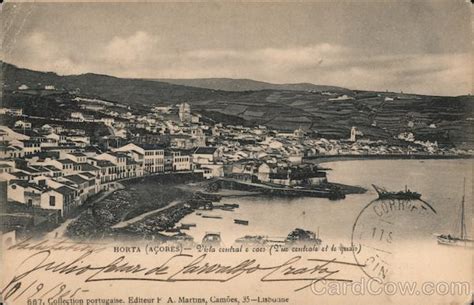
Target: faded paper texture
(236, 153)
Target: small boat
(211, 216)
(461, 240)
(212, 239)
(182, 237)
(172, 230)
(252, 240)
(450, 240)
(224, 208)
(241, 222)
(303, 236)
(404, 195)
(206, 206)
(188, 225)
(231, 205)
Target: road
(125, 223)
(60, 231)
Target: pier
(328, 190)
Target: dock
(282, 191)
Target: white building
(77, 116)
(66, 166)
(206, 155)
(215, 170)
(198, 137)
(30, 147)
(108, 121)
(162, 109)
(22, 124)
(119, 159)
(15, 111)
(181, 161)
(41, 196)
(11, 151)
(152, 156)
(80, 140)
(7, 134)
(184, 112)
(77, 157)
(353, 134)
(195, 118)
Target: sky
(411, 46)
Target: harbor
(128, 213)
(320, 213)
(235, 213)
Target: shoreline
(335, 158)
(154, 223)
(138, 200)
(331, 190)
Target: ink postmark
(381, 228)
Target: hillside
(127, 91)
(230, 84)
(378, 115)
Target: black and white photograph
(236, 152)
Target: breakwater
(326, 190)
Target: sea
(407, 247)
(440, 182)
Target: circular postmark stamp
(380, 230)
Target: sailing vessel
(461, 240)
(404, 195)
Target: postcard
(236, 152)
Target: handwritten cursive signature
(178, 268)
(57, 245)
